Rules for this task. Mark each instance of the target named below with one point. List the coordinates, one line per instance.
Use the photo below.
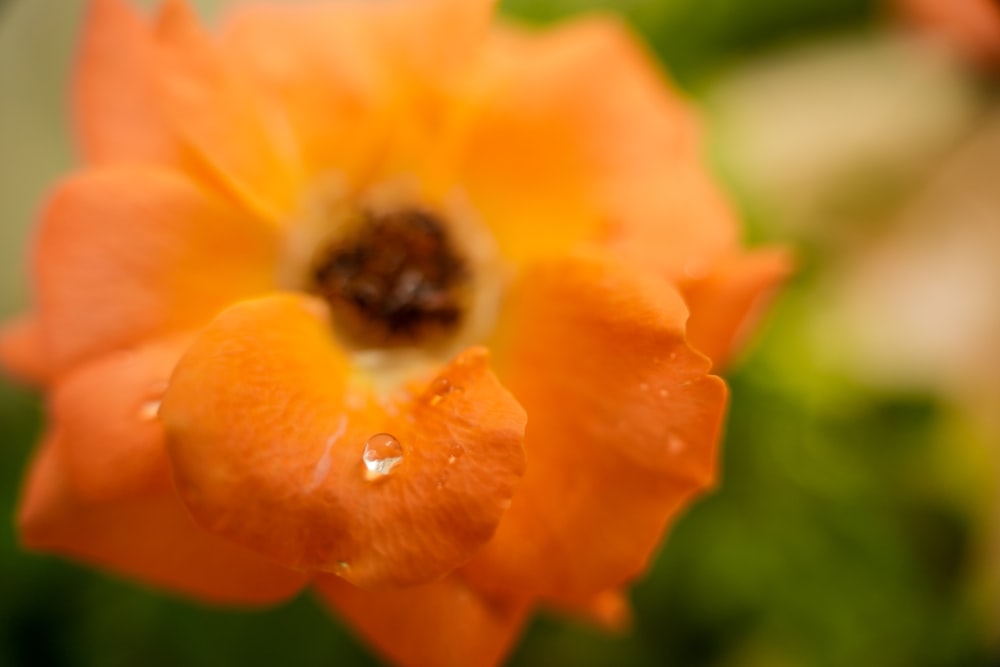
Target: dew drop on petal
(342, 568)
(440, 388)
(455, 452)
(382, 453)
(149, 409)
(442, 479)
(675, 445)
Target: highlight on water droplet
(149, 409)
(382, 453)
(442, 478)
(440, 387)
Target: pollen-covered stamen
(393, 279)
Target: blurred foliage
(695, 38)
(834, 539)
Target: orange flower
(317, 274)
(972, 27)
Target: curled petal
(117, 111)
(268, 424)
(222, 117)
(440, 624)
(623, 431)
(726, 303)
(129, 253)
(113, 444)
(150, 537)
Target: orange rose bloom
(383, 298)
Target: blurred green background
(857, 519)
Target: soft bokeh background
(858, 522)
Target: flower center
(393, 279)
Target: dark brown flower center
(393, 279)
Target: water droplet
(663, 393)
(440, 388)
(455, 452)
(643, 386)
(343, 567)
(675, 445)
(382, 453)
(149, 409)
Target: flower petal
(354, 77)
(219, 114)
(673, 219)
(440, 624)
(578, 118)
(21, 353)
(623, 431)
(113, 444)
(313, 60)
(117, 112)
(267, 422)
(150, 537)
(129, 253)
(726, 303)
(610, 610)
